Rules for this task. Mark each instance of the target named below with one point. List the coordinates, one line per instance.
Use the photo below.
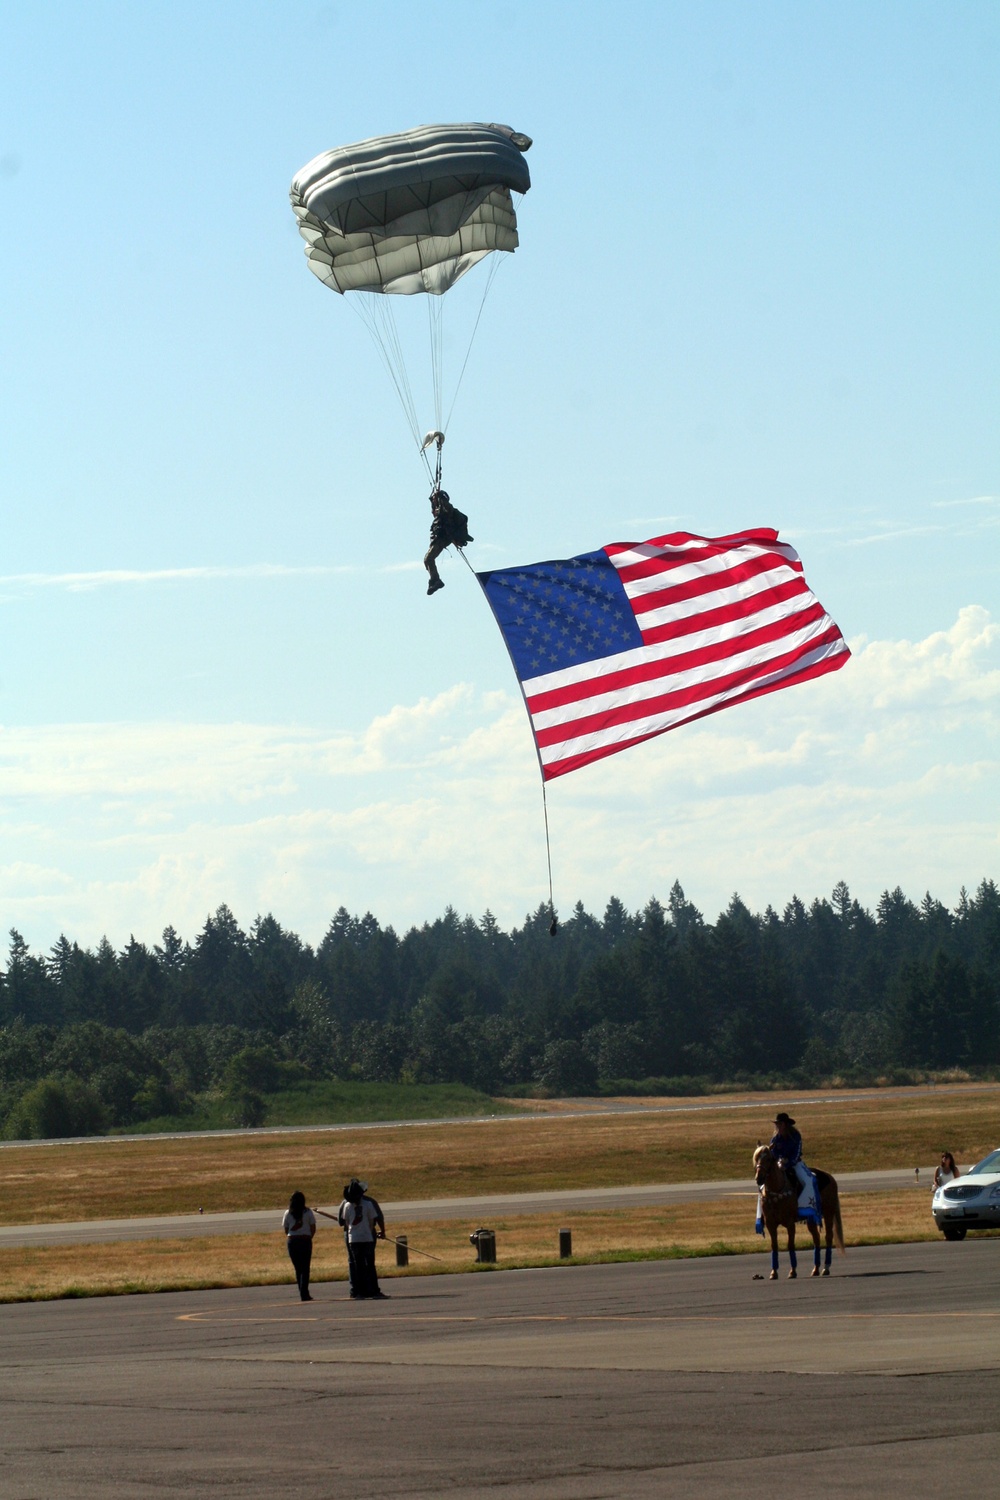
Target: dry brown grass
(721, 1227)
(109, 1179)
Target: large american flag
(615, 646)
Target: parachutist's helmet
(442, 496)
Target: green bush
(252, 1070)
(154, 1099)
(54, 1108)
(565, 1069)
(245, 1108)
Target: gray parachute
(411, 212)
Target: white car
(971, 1202)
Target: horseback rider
(786, 1148)
(449, 528)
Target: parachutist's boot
(434, 585)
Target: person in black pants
(449, 528)
(299, 1224)
(363, 1224)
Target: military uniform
(449, 528)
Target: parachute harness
(439, 440)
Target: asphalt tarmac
(666, 1379)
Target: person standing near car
(946, 1172)
(363, 1224)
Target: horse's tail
(838, 1228)
(828, 1190)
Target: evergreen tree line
(91, 1039)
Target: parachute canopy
(412, 212)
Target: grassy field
(716, 1228)
(108, 1178)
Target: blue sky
(756, 286)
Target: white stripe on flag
(645, 728)
(706, 567)
(674, 682)
(730, 597)
(664, 651)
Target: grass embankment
(715, 1228)
(119, 1179)
(324, 1102)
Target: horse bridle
(786, 1192)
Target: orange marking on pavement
(518, 1318)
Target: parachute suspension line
(387, 345)
(554, 920)
(435, 327)
(384, 320)
(491, 276)
(379, 319)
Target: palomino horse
(779, 1195)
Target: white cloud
(884, 773)
(975, 514)
(991, 500)
(949, 667)
(892, 534)
(111, 577)
(653, 523)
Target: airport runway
(667, 1379)
(475, 1210)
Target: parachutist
(449, 528)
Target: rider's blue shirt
(787, 1148)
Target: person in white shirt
(299, 1224)
(947, 1171)
(363, 1224)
